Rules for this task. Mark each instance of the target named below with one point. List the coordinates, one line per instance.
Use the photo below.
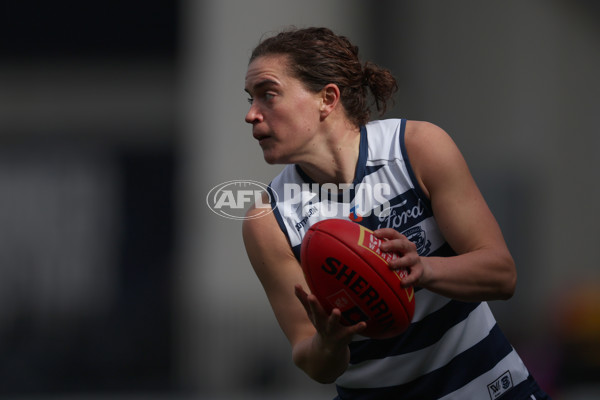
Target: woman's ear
(330, 97)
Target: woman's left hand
(408, 259)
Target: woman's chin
(272, 158)
(273, 161)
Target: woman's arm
(484, 268)
(319, 342)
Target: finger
(334, 319)
(302, 296)
(311, 305)
(387, 233)
(405, 261)
(400, 246)
(357, 328)
(299, 290)
(315, 306)
(410, 276)
(318, 314)
(334, 326)
(409, 280)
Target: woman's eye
(262, 97)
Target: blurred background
(118, 117)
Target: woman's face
(283, 113)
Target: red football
(345, 269)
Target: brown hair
(319, 57)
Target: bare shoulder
(432, 153)
(425, 135)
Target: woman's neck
(336, 159)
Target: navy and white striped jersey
(452, 349)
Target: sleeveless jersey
(452, 349)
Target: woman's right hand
(329, 327)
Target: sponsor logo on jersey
(405, 210)
(311, 212)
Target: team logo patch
(500, 385)
(418, 236)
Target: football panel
(341, 278)
(362, 241)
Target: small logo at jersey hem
(500, 386)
